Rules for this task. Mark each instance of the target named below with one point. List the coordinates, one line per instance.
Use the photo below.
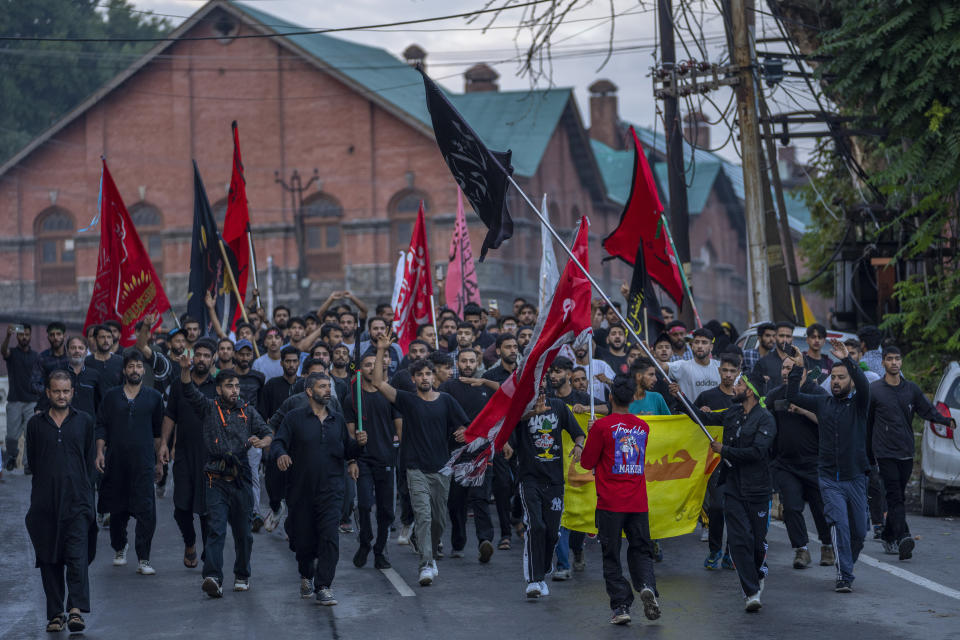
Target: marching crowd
(329, 420)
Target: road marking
(402, 587)
(909, 576)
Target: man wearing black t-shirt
(537, 443)
(769, 366)
(504, 470)
(22, 400)
(472, 395)
(430, 421)
(376, 462)
(615, 353)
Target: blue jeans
(569, 541)
(845, 508)
(228, 503)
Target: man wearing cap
(748, 434)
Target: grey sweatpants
(428, 496)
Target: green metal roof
(700, 180)
(522, 121)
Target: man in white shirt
(697, 375)
(600, 375)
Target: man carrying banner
(616, 450)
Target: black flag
(642, 305)
(206, 263)
(481, 173)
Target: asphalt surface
(919, 599)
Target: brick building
(357, 115)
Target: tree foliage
(41, 81)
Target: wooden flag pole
(234, 287)
(253, 265)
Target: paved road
(470, 600)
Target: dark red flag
(236, 228)
(127, 287)
(642, 221)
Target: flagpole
(593, 412)
(433, 316)
(609, 302)
(253, 264)
(233, 285)
(359, 405)
(683, 273)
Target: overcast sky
(580, 44)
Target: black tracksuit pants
(796, 488)
(747, 538)
(476, 498)
(542, 508)
(611, 525)
(374, 489)
(504, 487)
(895, 474)
(715, 512)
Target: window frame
(59, 275)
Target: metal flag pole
(593, 412)
(359, 404)
(233, 286)
(683, 273)
(253, 264)
(606, 298)
(433, 316)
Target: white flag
(549, 274)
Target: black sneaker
(360, 557)
(26, 470)
(11, 464)
(621, 615)
(380, 561)
(325, 597)
(306, 587)
(906, 548)
(211, 587)
(486, 551)
(257, 523)
(843, 586)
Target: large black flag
(642, 305)
(481, 173)
(207, 271)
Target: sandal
(190, 559)
(75, 623)
(504, 544)
(56, 623)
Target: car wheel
(929, 500)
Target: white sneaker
(426, 576)
(144, 568)
(704, 534)
(533, 590)
(753, 603)
(544, 589)
(120, 557)
(241, 584)
(433, 568)
(273, 519)
(404, 535)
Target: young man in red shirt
(615, 449)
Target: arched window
(148, 221)
(403, 210)
(323, 241)
(56, 266)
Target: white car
(748, 339)
(940, 461)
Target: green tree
(41, 81)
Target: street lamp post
(296, 189)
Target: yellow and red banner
(678, 465)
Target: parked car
(748, 339)
(940, 447)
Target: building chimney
(696, 130)
(480, 77)
(415, 56)
(604, 116)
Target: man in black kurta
(60, 447)
(189, 452)
(128, 438)
(313, 444)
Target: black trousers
(403, 495)
(715, 512)
(747, 537)
(542, 508)
(476, 498)
(184, 520)
(797, 488)
(275, 482)
(374, 489)
(504, 488)
(895, 475)
(143, 534)
(228, 503)
(317, 558)
(611, 526)
(875, 502)
(75, 559)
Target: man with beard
(615, 353)
(331, 334)
(448, 333)
(527, 315)
(60, 443)
(766, 342)
(348, 326)
(600, 374)
(524, 336)
(251, 392)
(578, 379)
(769, 366)
(472, 395)
(191, 330)
(466, 336)
(430, 420)
(561, 389)
(104, 360)
(697, 375)
(129, 424)
(842, 458)
(340, 369)
(680, 350)
(417, 349)
(281, 316)
(190, 457)
(49, 360)
(269, 363)
(313, 444)
(22, 399)
(428, 335)
(748, 434)
(795, 468)
(86, 382)
(378, 327)
(473, 313)
(229, 426)
(225, 351)
(663, 354)
(504, 470)
(380, 422)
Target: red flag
(127, 287)
(568, 318)
(642, 220)
(416, 289)
(461, 285)
(236, 228)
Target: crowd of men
(312, 422)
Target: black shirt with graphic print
(538, 446)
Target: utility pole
(296, 189)
(743, 58)
(679, 210)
